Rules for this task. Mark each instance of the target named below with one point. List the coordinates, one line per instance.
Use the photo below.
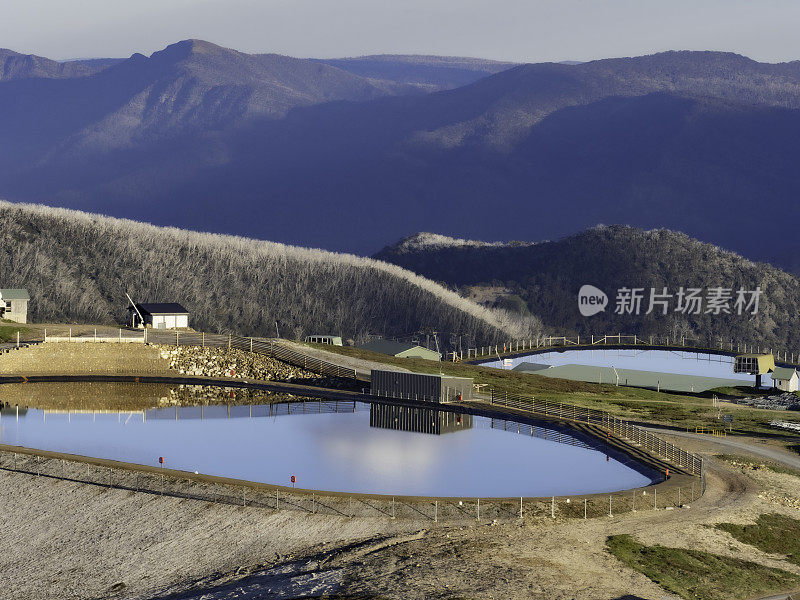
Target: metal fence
(668, 495)
(580, 414)
(543, 342)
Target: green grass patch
(739, 391)
(771, 533)
(698, 574)
(8, 333)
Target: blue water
(662, 361)
(334, 451)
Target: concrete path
(363, 367)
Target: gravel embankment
(83, 358)
(222, 362)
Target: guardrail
(581, 414)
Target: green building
(401, 349)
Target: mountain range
(350, 153)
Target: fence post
(553, 507)
(276, 499)
(609, 506)
(479, 507)
(584, 509)
(520, 507)
(436, 511)
(251, 349)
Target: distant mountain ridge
(190, 86)
(433, 73)
(304, 152)
(14, 65)
(544, 278)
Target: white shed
(785, 379)
(14, 304)
(159, 315)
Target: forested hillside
(78, 267)
(544, 278)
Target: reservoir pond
(337, 446)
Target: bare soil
(70, 540)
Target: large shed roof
(14, 294)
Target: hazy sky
(517, 30)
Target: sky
(514, 30)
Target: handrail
(620, 427)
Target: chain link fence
(639, 436)
(148, 480)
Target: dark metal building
(420, 386)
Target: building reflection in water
(419, 420)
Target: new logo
(591, 300)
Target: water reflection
(419, 420)
(337, 446)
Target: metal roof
(162, 308)
(14, 294)
(635, 378)
(529, 367)
(783, 373)
(392, 348)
